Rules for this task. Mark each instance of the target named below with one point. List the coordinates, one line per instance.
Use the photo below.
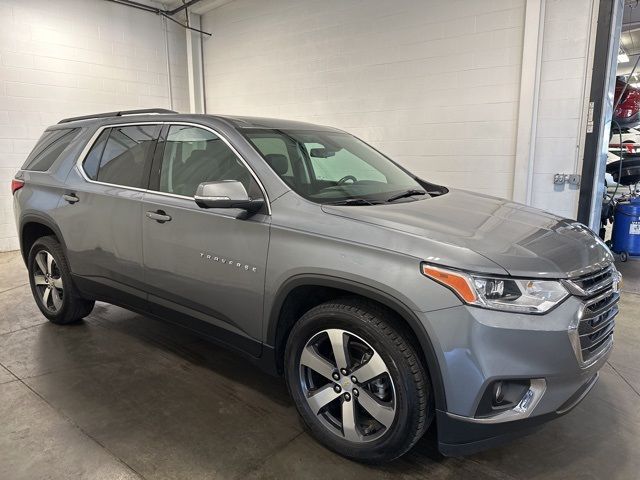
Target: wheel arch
(325, 287)
(34, 226)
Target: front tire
(51, 284)
(357, 383)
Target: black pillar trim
(598, 84)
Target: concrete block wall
(564, 85)
(75, 57)
(434, 83)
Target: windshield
(333, 167)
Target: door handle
(159, 216)
(71, 197)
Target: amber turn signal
(456, 281)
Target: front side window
(119, 155)
(333, 167)
(49, 148)
(194, 155)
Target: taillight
(16, 185)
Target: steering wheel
(347, 177)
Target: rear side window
(49, 148)
(120, 154)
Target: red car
(627, 113)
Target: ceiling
(630, 40)
(199, 8)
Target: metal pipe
(183, 25)
(166, 14)
(182, 7)
(165, 26)
(204, 95)
(139, 6)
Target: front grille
(594, 283)
(601, 301)
(596, 327)
(594, 331)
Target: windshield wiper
(352, 201)
(408, 193)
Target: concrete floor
(121, 396)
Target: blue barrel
(626, 228)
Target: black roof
(276, 123)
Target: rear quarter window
(49, 148)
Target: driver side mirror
(226, 194)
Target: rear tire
(380, 405)
(52, 286)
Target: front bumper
(457, 436)
(477, 347)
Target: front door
(208, 264)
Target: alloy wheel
(347, 385)
(48, 281)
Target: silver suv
(387, 302)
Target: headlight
(514, 295)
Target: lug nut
(347, 397)
(355, 392)
(336, 376)
(354, 379)
(336, 388)
(343, 371)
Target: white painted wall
(434, 84)
(564, 86)
(73, 57)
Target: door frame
(155, 160)
(154, 175)
(148, 161)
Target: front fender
(401, 306)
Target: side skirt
(106, 290)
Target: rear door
(208, 264)
(102, 208)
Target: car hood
(524, 241)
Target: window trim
(96, 135)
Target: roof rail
(117, 114)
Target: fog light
(498, 394)
(502, 395)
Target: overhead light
(623, 57)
